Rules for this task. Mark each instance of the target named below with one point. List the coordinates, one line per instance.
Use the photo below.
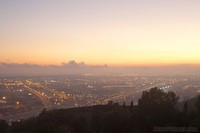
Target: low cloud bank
(72, 67)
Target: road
(47, 104)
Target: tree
(157, 107)
(131, 106)
(124, 105)
(197, 104)
(157, 98)
(110, 103)
(131, 103)
(185, 108)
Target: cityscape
(25, 97)
(99, 66)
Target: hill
(156, 111)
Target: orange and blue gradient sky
(113, 32)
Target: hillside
(155, 111)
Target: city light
(87, 90)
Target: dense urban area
(25, 97)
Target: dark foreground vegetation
(156, 112)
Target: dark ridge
(156, 112)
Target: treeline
(155, 109)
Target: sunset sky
(113, 32)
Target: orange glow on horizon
(98, 33)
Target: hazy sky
(114, 32)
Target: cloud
(74, 64)
(18, 65)
(71, 67)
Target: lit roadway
(43, 99)
(125, 94)
(57, 93)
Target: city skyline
(117, 33)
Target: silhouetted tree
(110, 103)
(131, 106)
(156, 99)
(185, 108)
(124, 105)
(156, 108)
(131, 103)
(197, 104)
(115, 104)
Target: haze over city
(99, 66)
